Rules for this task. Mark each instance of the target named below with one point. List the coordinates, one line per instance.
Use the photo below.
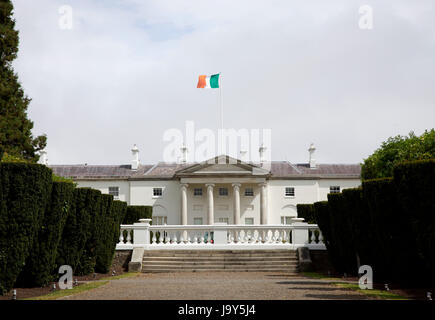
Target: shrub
(323, 218)
(415, 185)
(360, 230)
(134, 213)
(103, 252)
(341, 234)
(76, 231)
(306, 211)
(24, 193)
(41, 261)
(88, 257)
(392, 258)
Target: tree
(16, 137)
(398, 149)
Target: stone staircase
(220, 260)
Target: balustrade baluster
(313, 236)
(128, 237)
(121, 237)
(320, 237)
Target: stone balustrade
(220, 236)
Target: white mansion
(224, 190)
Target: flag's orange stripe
(201, 82)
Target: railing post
(299, 235)
(141, 232)
(220, 236)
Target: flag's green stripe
(214, 81)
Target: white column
(210, 203)
(184, 203)
(236, 191)
(263, 203)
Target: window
(289, 192)
(197, 221)
(160, 220)
(249, 192)
(224, 220)
(197, 192)
(286, 220)
(249, 221)
(157, 192)
(114, 191)
(223, 192)
(334, 189)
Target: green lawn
(381, 294)
(83, 287)
(68, 292)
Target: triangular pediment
(223, 165)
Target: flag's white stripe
(207, 82)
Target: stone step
(229, 258)
(220, 255)
(205, 263)
(168, 270)
(215, 266)
(221, 260)
(223, 251)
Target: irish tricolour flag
(208, 82)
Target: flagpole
(222, 112)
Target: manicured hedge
(415, 185)
(306, 211)
(113, 213)
(40, 264)
(134, 213)
(88, 257)
(24, 194)
(341, 230)
(77, 228)
(388, 224)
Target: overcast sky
(128, 70)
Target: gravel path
(217, 286)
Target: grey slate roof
(279, 169)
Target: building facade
(220, 190)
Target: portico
(224, 190)
(221, 200)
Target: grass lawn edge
(355, 287)
(83, 287)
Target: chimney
(43, 157)
(312, 160)
(262, 151)
(135, 161)
(183, 150)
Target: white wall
(141, 193)
(103, 186)
(306, 191)
(170, 203)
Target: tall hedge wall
(76, 231)
(24, 193)
(388, 224)
(134, 213)
(415, 185)
(113, 213)
(88, 257)
(40, 264)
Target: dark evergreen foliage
(24, 194)
(134, 213)
(15, 128)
